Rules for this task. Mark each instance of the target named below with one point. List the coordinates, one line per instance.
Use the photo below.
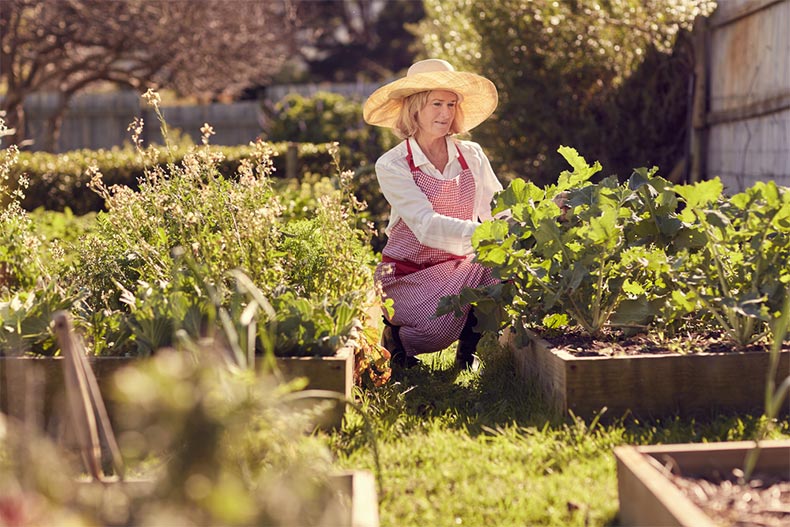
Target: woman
(439, 189)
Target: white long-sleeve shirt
(408, 203)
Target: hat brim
(479, 96)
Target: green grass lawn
(483, 449)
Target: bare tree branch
(204, 48)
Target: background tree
(209, 49)
(353, 40)
(607, 77)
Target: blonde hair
(406, 125)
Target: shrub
(739, 273)
(29, 295)
(165, 253)
(330, 117)
(607, 77)
(60, 181)
(604, 266)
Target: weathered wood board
(32, 387)
(645, 385)
(648, 497)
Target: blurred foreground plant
(774, 396)
(209, 444)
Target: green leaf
(633, 288)
(555, 320)
(581, 170)
(493, 230)
(547, 238)
(517, 192)
(603, 229)
(687, 301)
(701, 193)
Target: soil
(763, 501)
(581, 344)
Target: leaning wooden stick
(85, 401)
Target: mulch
(764, 500)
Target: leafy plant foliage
(638, 255)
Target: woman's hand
(561, 200)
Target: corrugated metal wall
(748, 93)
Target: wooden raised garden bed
(649, 497)
(33, 386)
(356, 505)
(644, 385)
(334, 374)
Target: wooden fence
(742, 96)
(100, 120)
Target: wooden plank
(646, 385)
(748, 64)
(704, 459)
(323, 373)
(732, 10)
(334, 374)
(364, 499)
(698, 137)
(741, 153)
(356, 504)
(758, 108)
(546, 369)
(31, 387)
(648, 497)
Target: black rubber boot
(390, 340)
(465, 357)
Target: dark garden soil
(765, 500)
(581, 344)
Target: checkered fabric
(416, 295)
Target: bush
(162, 259)
(60, 181)
(643, 255)
(28, 293)
(330, 117)
(327, 117)
(607, 77)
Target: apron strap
(413, 167)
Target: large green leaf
(700, 194)
(581, 170)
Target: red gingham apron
(416, 276)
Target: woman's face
(436, 117)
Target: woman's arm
(412, 206)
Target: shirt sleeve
(409, 203)
(487, 183)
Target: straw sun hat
(478, 94)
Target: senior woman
(439, 189)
